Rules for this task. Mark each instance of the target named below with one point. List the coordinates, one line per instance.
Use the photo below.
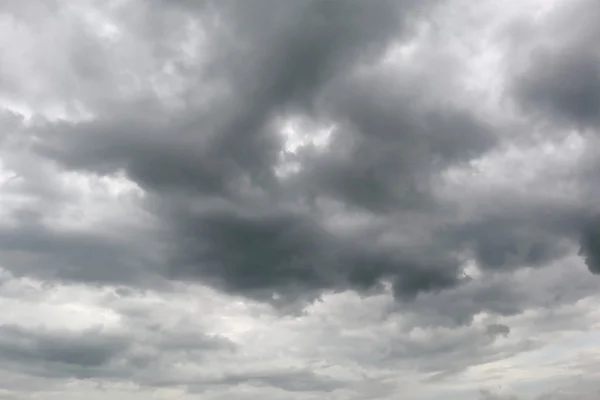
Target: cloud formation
(310, 197)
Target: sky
(308, 199)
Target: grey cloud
(562, 80)
(517, 235)
(365, 210)
(209, 169)
(138, 353)
(86, 350)
(280, 62)
(28, 11)
(212, 155)
(292, 257)
(507, 294)
(432, 334)
(448, 355)
(10, 122)
(437, 352)
(387, 147)
(566, 84)
(489, 395)
(498, 329)
(34, 248)
(382, 159)
(590, 245)
(288, 381)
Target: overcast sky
(303, 199)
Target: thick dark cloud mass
(341, 194)
(561, 83)
(566, 85)
(290, 255)
(211, 168)
(385, 150)
(590, 246)
(382, 156)
(563, 75)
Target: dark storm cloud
(562, 84)
(519, 235)
(280, 66)
(380, 205)
(280, 57)
(562, 78)
(387, 147)
(209, 169)
(566, 85)
(590, 245)
(290, 256)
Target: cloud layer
(308, 198)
